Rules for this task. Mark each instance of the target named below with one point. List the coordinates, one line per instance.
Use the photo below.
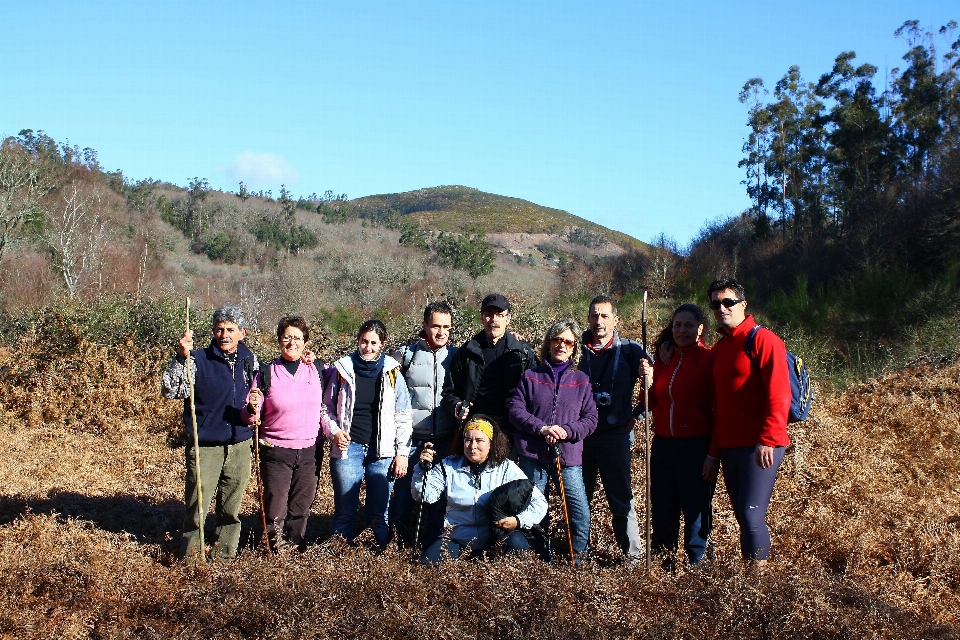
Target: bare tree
(77, 234)
(664, 266)
(23, 182)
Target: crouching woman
(477, 466)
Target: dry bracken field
(865, 523)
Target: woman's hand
(399, 467)
(553, 433)
(307, 357)
(509, 523)
(342, 440)
(426, 456)
(711, 469)
(763, 456)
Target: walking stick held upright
(196, 444)
(264, 538)
(646, 436)
(563, 501)
(425, 466)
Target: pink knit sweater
(291, 411)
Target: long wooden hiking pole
(196, 445)
(646, 436)
(563, 501)
(264, 538)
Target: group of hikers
(458, 448)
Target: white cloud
(261, 170)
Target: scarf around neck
(367, 368)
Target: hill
(69, 229)
(458, 209)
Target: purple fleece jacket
(540, 401)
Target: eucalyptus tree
(757, 147)
(861, 152)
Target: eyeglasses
(727, 302)
(291, 339)
(569, 344)
(493, 314)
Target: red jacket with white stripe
(751, 395)
(680, 397)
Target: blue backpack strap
(751, 339)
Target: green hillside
(460, 209)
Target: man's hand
(509, 523)
(185, 343)
(763, 456)
(462, 412)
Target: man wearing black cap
(486, 370)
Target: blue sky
(624, 113)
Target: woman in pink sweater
(288, 393)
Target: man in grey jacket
(614, 365)
(424, 366)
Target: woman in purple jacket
(552, 411)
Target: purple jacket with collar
(540, 401)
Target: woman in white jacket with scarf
(368, 419)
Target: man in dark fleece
(486, 370)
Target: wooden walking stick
(646, 434)
(264, 538)
(196, 445)
(563, 501)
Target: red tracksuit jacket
(680, 398)
(751, 395)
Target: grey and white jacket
(395, 426)
(424, 371)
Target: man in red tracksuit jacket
(751, 405)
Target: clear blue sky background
(625, 113)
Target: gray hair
(556, 329)
(230, 313)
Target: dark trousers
(405, 512)
(677, 486)
(750, 489)
(608, 454)
(290, 479)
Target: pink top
(291, 410)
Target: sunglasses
(727, 302)
(569, 344)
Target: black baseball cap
(496, 301)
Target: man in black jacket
(486, 370)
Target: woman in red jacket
(682, 424)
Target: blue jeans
(577, 504)
(405, 511)
(347, 474)
(677, 486)
(516, 541)
(750, 489)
